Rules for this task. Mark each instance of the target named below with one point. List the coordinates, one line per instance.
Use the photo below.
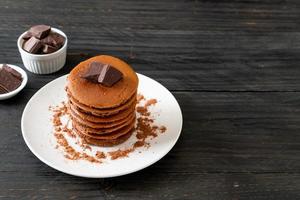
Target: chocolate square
(40, 31)
(104, 74)
(54, 40)
(3, 90)
(32, 45)
(49, 49)
(8, 81)
(12, 71)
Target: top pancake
(99, 96)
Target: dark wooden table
(234, 67)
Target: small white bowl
(23, 84)
(44, 63)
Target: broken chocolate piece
(59, 39)
(109, 76)
(54, 39)
(3, 90)
(8, 81)
(40, 31)
(93, 72)
(12, 71)
(27, 35)
(49, 49)
(103, 73)
(49, 41)
(32, 45)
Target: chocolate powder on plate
(60, 134)
(145, 128)
(100, 155)
(120, 153)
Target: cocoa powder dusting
(138, 144)
(90, 158)
(56, 121)
(68, 131)
(85, 146)
(145, 129)
(139, 98)
(120, 153)
(61, 131)
(82, 143)
(143, 111)
(100, 155)
(150, 102)
(162, 129)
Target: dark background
(234, 67)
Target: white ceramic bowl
(16, 91)
(44, 63)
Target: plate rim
(45, 161)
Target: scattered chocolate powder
(90, 158)
(162, 129)
(150, 102)
(70, 152)
(62, 142)
(100, 155)
(68, 131)
(139, 98)
(85, 146)
(57, 129)
(145, 129)
(82, 143)
(143, 111)
(56, 121)
(138, 144)
(120, 153)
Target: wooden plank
(190, 45)
(232, 65)
(150, 185)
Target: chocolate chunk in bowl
(49, 49)
(33, 45)
(40, 31)
(54, 40)
(40, 39)
(47, 58)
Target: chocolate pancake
(99, 131)
(98, 95)
(105, 143)
(109, 136)
(102, 112)
(102, 125)
(102, 96)
(88, 118)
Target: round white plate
(37, 132)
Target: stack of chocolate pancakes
(102, 99)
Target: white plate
(23, 84)
(38, 132)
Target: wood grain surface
(234, 67)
